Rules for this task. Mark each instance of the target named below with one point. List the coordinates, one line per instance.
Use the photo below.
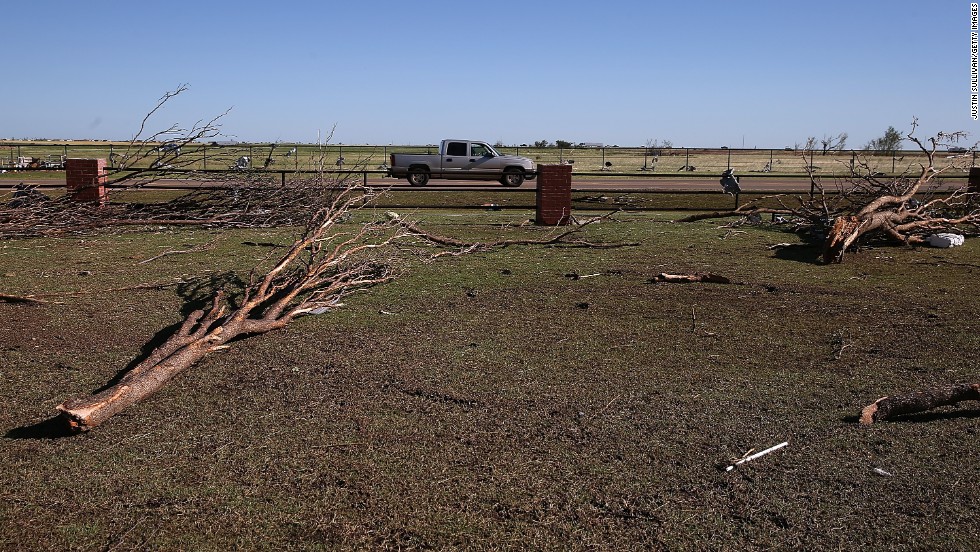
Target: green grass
(492, 402)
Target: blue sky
(697, 73)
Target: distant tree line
(887, 144)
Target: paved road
(652, 183)
(666, 183)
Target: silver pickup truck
(462, 159)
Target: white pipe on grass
(757, 455)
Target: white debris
(757, 455)
(883, 473)
(946, 239)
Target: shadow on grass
(921, 417)
(197, 294)
(52, 428)
(800, 252)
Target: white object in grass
(946, 239)
(757, 455)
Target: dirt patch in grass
(493, 401)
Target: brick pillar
(553, 198)
(85, 179)
(974, 182)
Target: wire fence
(613, 160)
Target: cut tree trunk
(85, 413)
(843, 234)
(887, 407)
(200, 334)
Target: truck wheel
(418, 176)
(512, 177)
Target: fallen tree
(905, 209)
(888, 407)
(328, 261)
(331, 258)
(321, 266)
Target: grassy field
(495, 402)
(623, 160)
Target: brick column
(553, 198)
(974, 182)
(85, 179)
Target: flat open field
(495, 402)
(279, 157)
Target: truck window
(456, 148)
(478, 150)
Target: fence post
(553, 196)
(85, 180)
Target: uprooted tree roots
(905, 210)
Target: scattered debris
(729, 182)
(946, 239)
(883, 473)
(689, 278)
(577, 276)
(26, 195)
(202, 247)
(583, 305)
(732, 232)
(841, 341)
(749, 458)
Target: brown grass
(493, 402)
